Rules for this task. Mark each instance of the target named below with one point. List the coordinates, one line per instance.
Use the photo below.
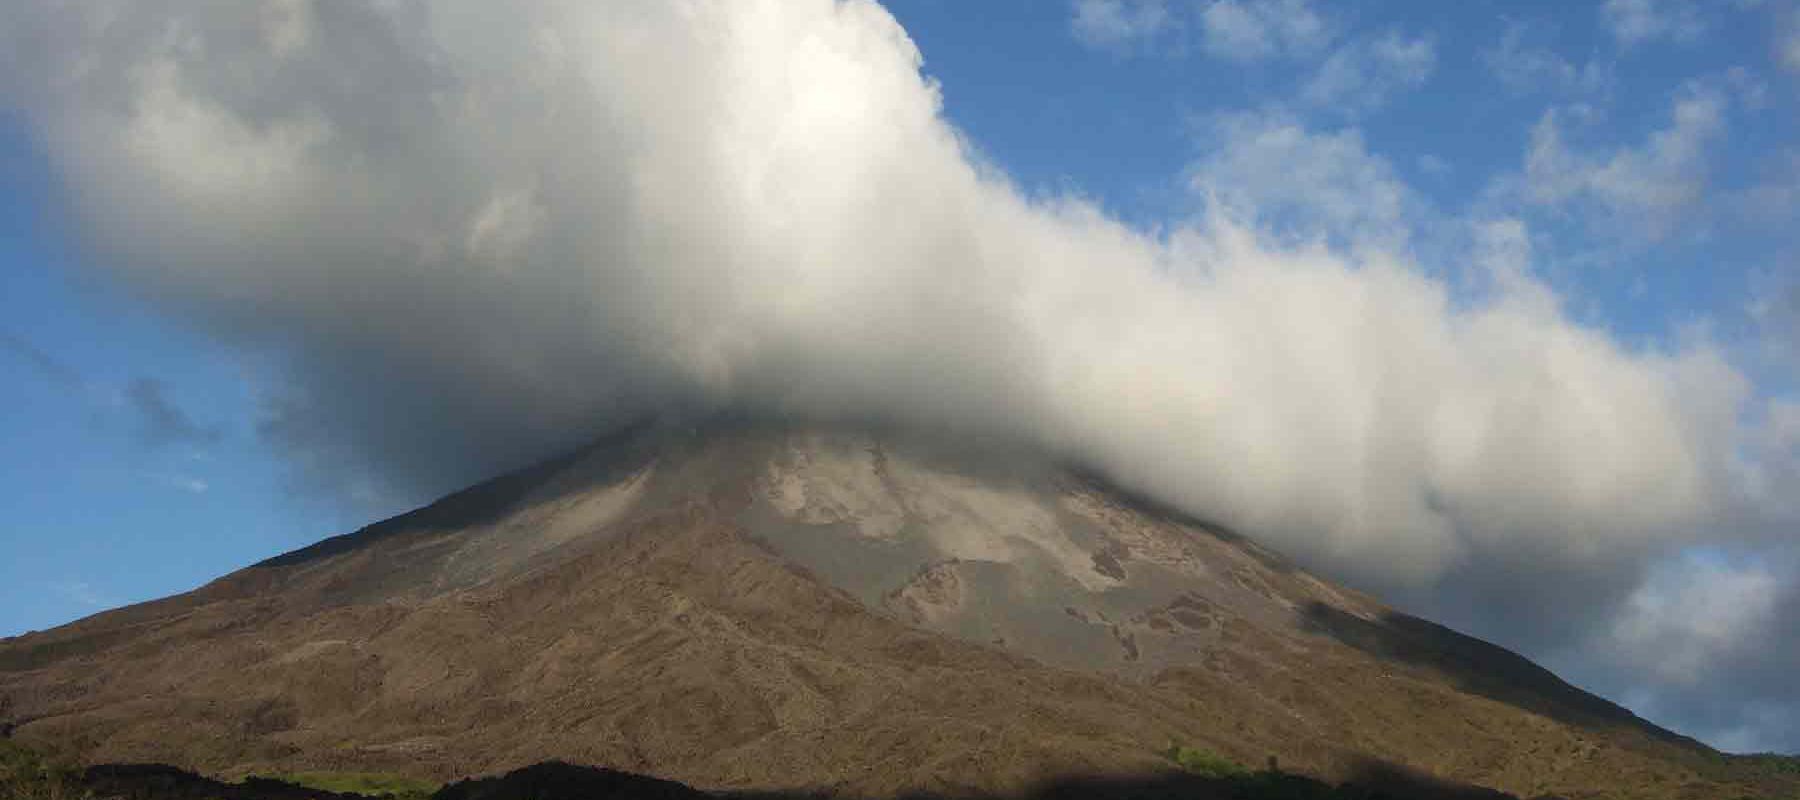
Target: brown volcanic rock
(769, 609)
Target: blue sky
(1122, 116)
(1638, 161)
(106, 505)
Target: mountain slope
(767, 608)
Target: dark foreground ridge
(27, 775)
(559, 781)
(556, 780)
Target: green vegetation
(25, 775)
(372, 784)
(1204, 763)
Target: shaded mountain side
(482, 504)
(753, 609)
(1478, 667)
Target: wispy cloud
(1274, 170)
(1634, 22)
(1523, 63)
(1642, 190)
(158, 420)
(44, 365)
(1252, 30)
(1235, 30)
(1687, 617)
(1119, 24)
(161, 422)
(1787, 40)
(1364, 73)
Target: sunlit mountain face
(753, 606)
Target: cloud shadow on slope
(1479, 668)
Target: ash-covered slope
(775, 608)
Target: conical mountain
(779, 607)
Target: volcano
(828, 609)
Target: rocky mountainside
(763, 608)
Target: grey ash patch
(1106, 562)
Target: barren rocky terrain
(754, 608)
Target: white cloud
(1771, 469)
(1504, 258)
(1363, 74)
(1690, 616)
(1787, 42)
(1633, 22)
(1251, 30)
(1271, 169)
(1709, 639)
(1235, 30)
(1644, 189)
(1523, 64)
(725, 236)
(1749, 88)
(1118, 24)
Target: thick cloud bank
(472, 233)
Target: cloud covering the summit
(474, 233)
